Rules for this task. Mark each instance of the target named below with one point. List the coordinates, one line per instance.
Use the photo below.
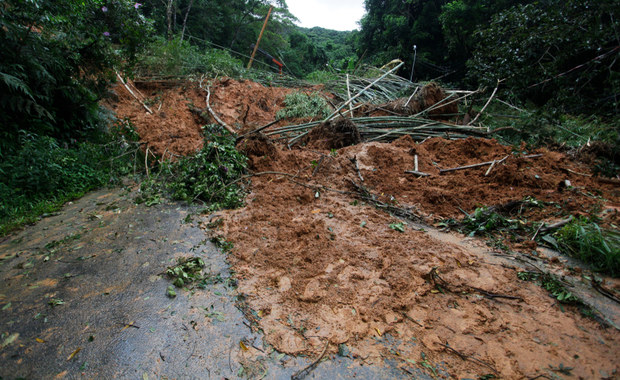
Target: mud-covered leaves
(400, 227)
(55, 302)
(552, 284)
(187, 271)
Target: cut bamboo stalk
(349, 94)
(486, 105)
(415, 163)
(133, 94)
(419, 174)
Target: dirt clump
(427, 97)
(333, 134)
(257, 146)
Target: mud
(317, 265)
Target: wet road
(83, 295)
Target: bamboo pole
(260, 36)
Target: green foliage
(553, 128)
(180, 58)
(186, 272)
(211, 175)
(300, 104)
(321, 76)
(56, 64)
(555, 287)
(556, 53)
(587, 241)
(44, 173)
(484, 221)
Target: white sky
(328, 14)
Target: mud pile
(333, 134)
(179, 112)
(319, 266)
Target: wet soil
(319, 265)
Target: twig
(220, 121)
(471, 166)
(537, 231)
(306, 371)
(465, 357)
(133, 94)
(258, 129)
(486, 105)
(146, 164)
(316, 169)
(559, 224)
(357, 168)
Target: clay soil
(317, 265)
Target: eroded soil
(319, 265)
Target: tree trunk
(191, 2)
(169, 18)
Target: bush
(211, 175)
(44, 173)
(180, 58)
(300, 104)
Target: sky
(328, 14)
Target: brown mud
(318, 265)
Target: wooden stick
(349, 94)
(258, 129)
(220, 121)
(420, 174)
(133, 94)
(486, 105)
(472, 166)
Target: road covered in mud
(336, 260)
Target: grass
(585, 240)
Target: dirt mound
(179, 112)
(427, 97)
(318, 266)
(334, 134)
(245, 104)
(257, 146)
(172, 128)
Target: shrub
(587, 241)
(211, 175)
(300, 104)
